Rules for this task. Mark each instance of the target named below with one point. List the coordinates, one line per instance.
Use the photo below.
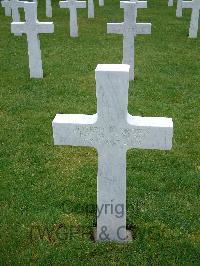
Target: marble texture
(194, 23)
(73, 5)
(90, 8)
(32, 27)
(129, 29)
(112, 131)
(48, 9)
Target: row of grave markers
(112, 130)
(32, 28)
(194, 22)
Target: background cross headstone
(101, 2)
(48, 8)
(32, 27)
(179, 11)
(194, 23)
(129, 28)
(170, 2)
(5, 4)
(73, 5)
(90, 8)
(112, 131)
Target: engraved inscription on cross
(194, 23)
(32, 27)
(129, 28)
(112, 131)
(73, 5)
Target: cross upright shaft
(32, 27)
(112, 131)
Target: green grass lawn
(48, 193)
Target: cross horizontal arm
(75, 130)
(45, 27)
(18, 27)
(150, 132)
(141, 4)
(64, 4)
(115, 28)
(187, 4)
(81, 4)
(143, 28)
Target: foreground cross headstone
(179, 11)
(32, 27)
(129, 28)
(194, 23)
(112, 131)
(48, 8)
(73, 5)
(170, 2)
(90, 8)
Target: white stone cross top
(139, 4)
(6, 5)
(32, 27)
(112, 131)
(90, 8)
(129, 28)
(101, 2)
(194, 23)
(13, 6)
(48, 8)
(179, 11)
(73, 5)
(170, 2)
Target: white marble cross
(194, 23)
(11, 7)
(129, 28)
(179, 11)
(112, 131)
(73, 5)
(48, 8)
(170, 2)
(32, 27)
(139, 4)
(6, 5)
(90, 8)
(101, 2)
